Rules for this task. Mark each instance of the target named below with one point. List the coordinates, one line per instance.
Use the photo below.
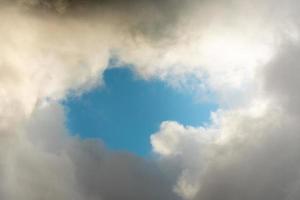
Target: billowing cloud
(252, 152)
(42, 160)
(53, 47)
(245, 53)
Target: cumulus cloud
(53, 47)
(253, 151)
(246, 53)
(185, 146)
(41, 160)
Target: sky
(201, 101)
(137, 106)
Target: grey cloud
(120, 176)
(43, 161)
(260, 162)
(49, 48)
(152, 19)
(253, 156)
(281, 77)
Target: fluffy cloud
(185, 146)
(53, 47)
(253, 151)
(246, 53)
(41, 160)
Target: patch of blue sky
(127, 110)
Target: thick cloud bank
(250, 152)
(42, 161)
(244, 53)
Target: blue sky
(127, 110)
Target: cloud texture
(45, 162)
(245, 53)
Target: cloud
(42, 160)
(258, 161)
(246, 53)
(186, 147)
(246, 157)
(63, 46)
(253, 150)
(281, 80)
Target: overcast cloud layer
(244, 52)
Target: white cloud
(254, 151)
(187, 146)
(245, 52)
